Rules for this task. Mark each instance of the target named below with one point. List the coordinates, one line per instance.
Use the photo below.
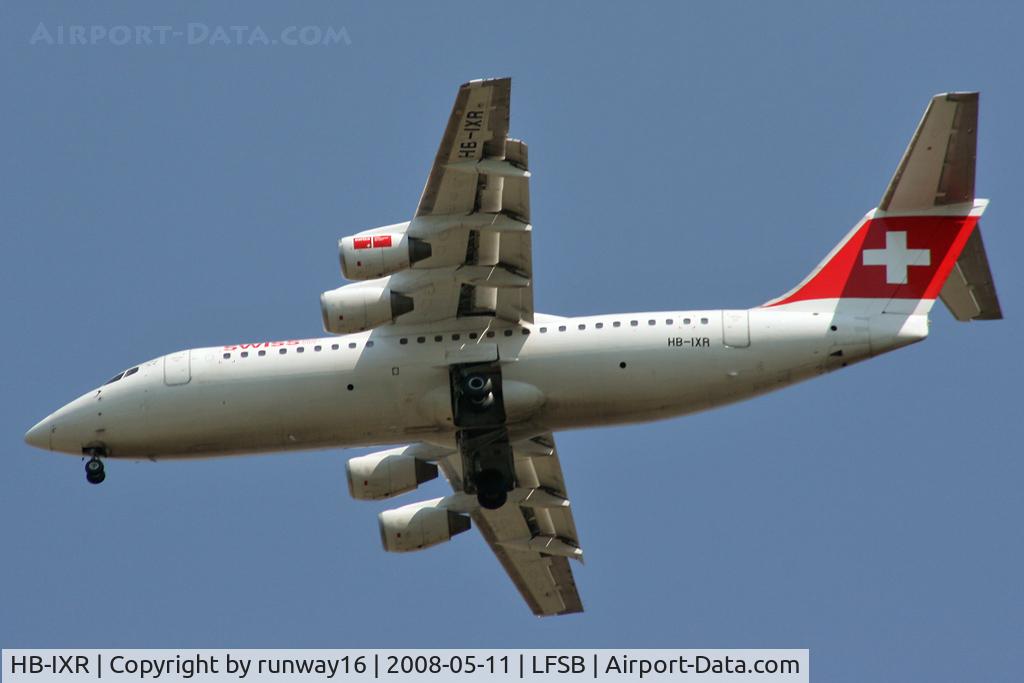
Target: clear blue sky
(687, 155)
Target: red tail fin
(898, 258)
(891, 257)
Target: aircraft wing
(533, 537)
(475, 214)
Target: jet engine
(363, 306)
(380, 252)
(387, 473)
(420, 525)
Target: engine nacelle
(387, 473)
(380, 252)
(420, 525)
(354, 308)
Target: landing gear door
(736, 328)
(177, 368)
(469, 352)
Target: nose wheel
(94, 473)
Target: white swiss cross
(896, 257)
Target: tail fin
(899, 257)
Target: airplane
(437, 345)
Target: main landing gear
(479, 411)
(94, 472)
(491, 490)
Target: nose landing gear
(94, 472)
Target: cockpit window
(129, 371)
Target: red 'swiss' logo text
(263, 345)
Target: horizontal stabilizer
(969, 292)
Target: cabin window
(703, 321)
(438, 338)
(420, 340)
(245, 354)
(456, 337)
(351, 345)
(300, 349)
(686, 321)
(490, 334)
(617, 324)
(582, 326)
(318, 348)
(652, 322)
(403, 340)
(598, 325)
(669, 321)
(561, 328)
(508, 333)
(226, 356)
(369, 344)
(526, 331)
(543, 330)
(282, 351)
(262, 352)
(633, 323)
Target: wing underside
(475, 214)
(533, 537)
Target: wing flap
(515, 196)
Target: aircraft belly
(217, 414)
(585, 385)
(589, 386)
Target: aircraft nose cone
(39, 435)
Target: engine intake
(376, 254)
(420, 525)
(387, 474)
(354, 308)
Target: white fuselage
(373, 388)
